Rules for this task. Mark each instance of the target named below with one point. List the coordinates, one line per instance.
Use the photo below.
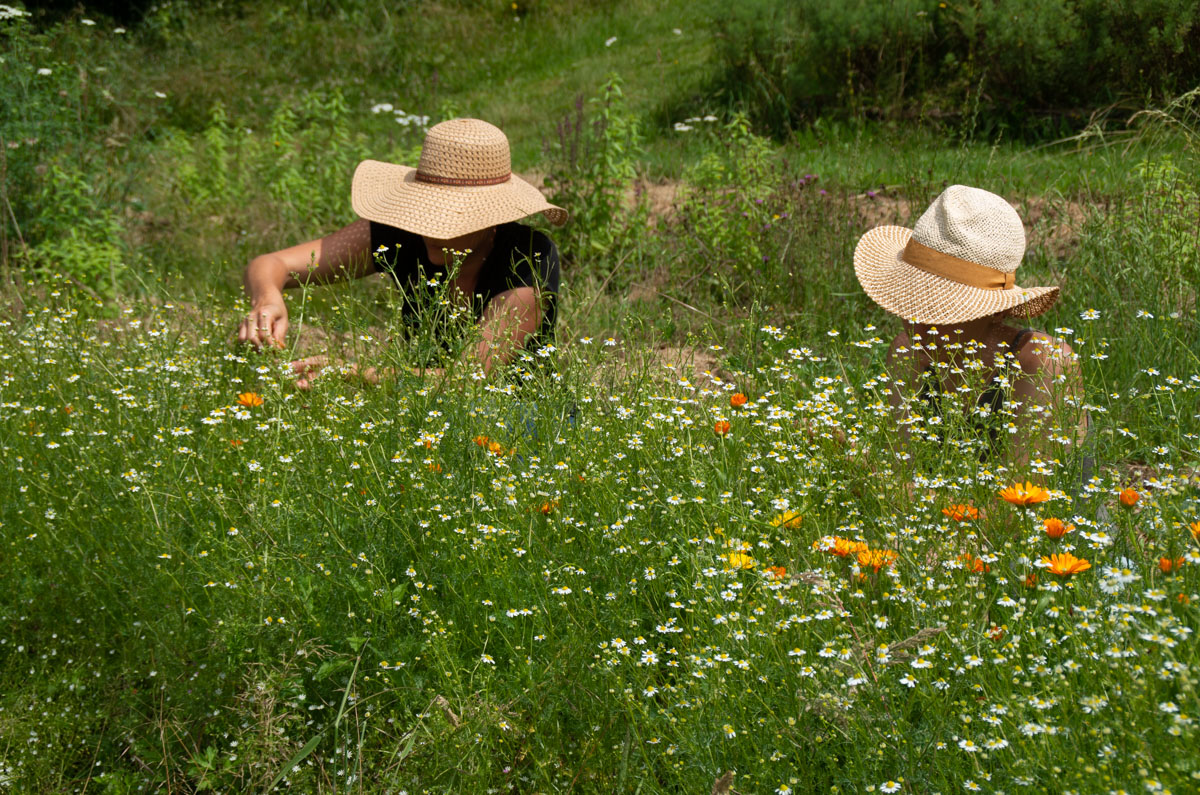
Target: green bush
(65, 150)
(1019, 60)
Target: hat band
(467, 182)
(947, 266)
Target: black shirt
(520, 257)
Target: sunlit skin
(1048, 371)
(507, 321)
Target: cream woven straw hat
(463, 183)
(957, 264)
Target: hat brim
(390, 194)
(921, 297)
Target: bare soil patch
(661, 197)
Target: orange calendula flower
(1030, 579)
(481, 440)
(1128, 497)
(876, 558)
(1055, 528)
(1195, 528)
(788, 520)
(995, 633)
(236, 442)
(836, 545)
(776, 572)
(1024, 496)
(1065, 564)
(962, 513)
(250, 399)
(721, 428)
(973, 564)
(1168, 565)
(548, 507)
(738, 400)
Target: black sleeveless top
(520, 257)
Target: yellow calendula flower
(740, 560)
(788, 520)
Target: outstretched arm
(344, 254)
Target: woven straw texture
(463, 183)
(963, 222)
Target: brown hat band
(930, 260)
(465, 182)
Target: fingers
(252, 328)
(246, 330)
(266, 321)
(279, 332)
(307, 370)
(266, 326)
(309, 364)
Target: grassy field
(684, 549)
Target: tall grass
(569, 580)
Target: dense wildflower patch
(527, 582)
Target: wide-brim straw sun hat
(462, 183)
(957, 264)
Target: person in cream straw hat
(952, 279)
(454, 214)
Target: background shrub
(1022, 61)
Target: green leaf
(295, 760)
(329, 668)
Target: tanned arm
(344, 254)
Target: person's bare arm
(507, 323)
(1050, 375)
(344, 254)
(509, 320)
(902, 369)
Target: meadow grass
(687, 540)
(575, 579)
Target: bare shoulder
(900, 344)
(902, 361)
(1040, 352)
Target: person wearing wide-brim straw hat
(461, 197)
(952, 279)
